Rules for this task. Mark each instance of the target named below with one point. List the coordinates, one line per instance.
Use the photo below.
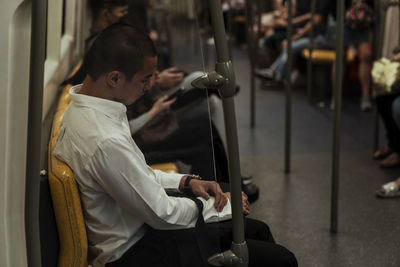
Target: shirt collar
(112, 109)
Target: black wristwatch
(186, 187)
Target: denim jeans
(297, 46)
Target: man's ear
(114, 78)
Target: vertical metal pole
(288, 113)
(229, 27)
(338, 107)
(167, 19)
(310, 49)
(38, 44)
(378, 38)
(375, 134)
(250, 44)
(224, 67)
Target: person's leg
(396, 111)
(384, 106)
(280, 66)
(364, 71)
(263, 251)
(253, 229)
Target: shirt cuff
(171, 180)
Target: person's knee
(258, 230)
(365, 52)
(287, 258)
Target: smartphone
(175, 94)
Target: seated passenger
(392, 189)
(123, 199)
(387, 108)
(360, 39)
(105, 13)
(274, 24)
(300, 41)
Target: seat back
(66, 199)
(321, 56)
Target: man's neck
(99, 25)
(95, 89)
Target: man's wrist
(184, 185)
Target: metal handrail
(288, 91)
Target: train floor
(297, 205)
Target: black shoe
(250, 189)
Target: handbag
(385, 77)
(359, 16)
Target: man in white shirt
(121, 196)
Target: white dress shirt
(119, 191)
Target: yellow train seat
(321, 56)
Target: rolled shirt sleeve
(139, 190)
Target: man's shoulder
(87, 130)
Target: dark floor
(297, 206)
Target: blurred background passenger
(274, 24)
(392, 189)
(300, 41)
(389, 109)
(358, 34)
(104, 14)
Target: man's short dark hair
(97, 5)
(119, 47)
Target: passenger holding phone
(163, 104)
(164, 80)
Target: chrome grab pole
(33, 162)
(378, 39)
(310, 49)
(250, 45)
(288, 111)
(337, 123)
(223, 78)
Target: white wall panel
(15, 27)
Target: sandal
(393, 160)
(382, 153)
(389, 190)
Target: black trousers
(263, 251)
(384, 105)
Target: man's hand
(161, 105)
(205, 189)
(245, 202)
(168, 78)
